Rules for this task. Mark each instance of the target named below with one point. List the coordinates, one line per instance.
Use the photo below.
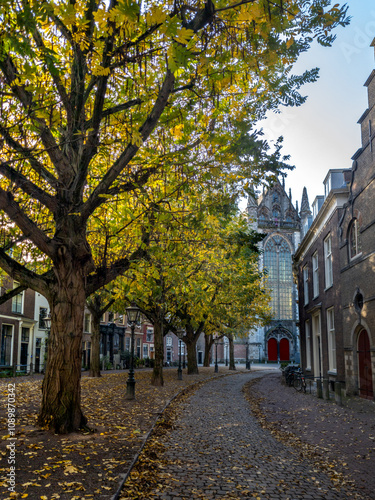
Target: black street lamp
(247, 356)
(133, 314)
(180, 334)
(216, 365)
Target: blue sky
(323, 133)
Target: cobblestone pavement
(218, 450)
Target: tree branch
(28, 155)
(27, 226)
(95, 200)
(25, 97)
(27, 186)
(24, 276)
(12, 293)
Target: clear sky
(323, 133)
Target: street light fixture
(47, 322)
(133, 314)
(180, 334)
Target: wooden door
(272, 350)
(284, 350)
(364, 363)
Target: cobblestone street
(217, 449)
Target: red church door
(284, 350)
(272, 350)
(364, 362)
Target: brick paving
(217, 450)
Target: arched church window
(278, 263)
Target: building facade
(274, 215)
(357, 257)
(317, 266)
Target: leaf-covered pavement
(84, 465)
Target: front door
(364, 363)
(284, 350)
(272, 350)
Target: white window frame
(169, 341)
(328, 268)
(331, 340)
(315, 274)
(305, 273)
(308, 344)
(354, 227)
(87, 323)
(17, 300)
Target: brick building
(319, 281)
(17, 326)
(357, 257)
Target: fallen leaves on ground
(84, 465)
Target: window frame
(331, 334)
(308, 344)
(328, 261)
(305, 277)
(315, 274)
(354, 228)
(17, 300)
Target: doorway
(272, 349)
(364, 364)
(284, 350)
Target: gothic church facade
(274, 215)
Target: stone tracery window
(278, 262)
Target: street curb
(150, 432)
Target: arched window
(354, 239)
(278, 263)
(276, 213)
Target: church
(274, 215)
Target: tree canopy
(100, 101)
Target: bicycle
(299, 382)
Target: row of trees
(112, 113)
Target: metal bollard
(338, 394)
(319, 391)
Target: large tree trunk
(61, 391)
(157, 373)
(95, 347)
(232, 365)
(208, 341)
(191, 343)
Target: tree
(98, 101)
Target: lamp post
(180, 334)
(133, 314)
(247, 356)
(216, 365)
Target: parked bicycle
(299, 381)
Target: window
(145, 351)
(328, 261)
(87, 322)
(278, 263)
(110, 317)
(331, 340)
(25, 334)
(120, 319)
(169, 341)
(6, 345)
(306, 284)
(149, 335)
(42, 315)
(138, 348)
(315, 266)
(354, 239)
(17, 301)
(308, 345)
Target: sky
(323, 133)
